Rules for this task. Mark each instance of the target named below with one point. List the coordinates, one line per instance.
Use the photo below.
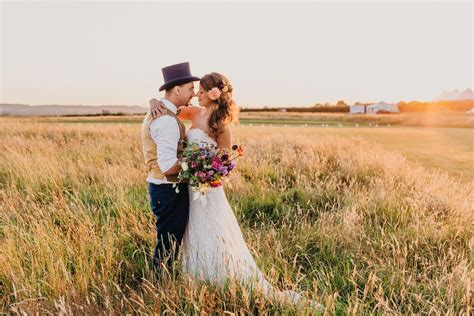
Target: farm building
(382, 107)
(357, 109)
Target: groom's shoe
(165, 263)
(164, 273)
(161, 271)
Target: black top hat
(176, 75)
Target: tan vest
(150, 149)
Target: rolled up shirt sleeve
(165, 132)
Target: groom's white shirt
(165, 133)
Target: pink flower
(216, 164)
(201, 174)
(214, 93)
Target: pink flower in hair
(214, 93)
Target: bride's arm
(225, 138)
(189, 112)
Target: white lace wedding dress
(213, 245)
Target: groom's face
(186, 93)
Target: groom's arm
(165, 133)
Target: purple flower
(223, 171)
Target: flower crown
(215, 93)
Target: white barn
(357, 109)
(382, 107)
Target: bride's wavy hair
(226, 110)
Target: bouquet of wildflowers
(205, 165)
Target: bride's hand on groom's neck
(157, 108)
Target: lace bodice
(198, 135)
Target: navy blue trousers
(172, 211)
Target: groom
(163, 144)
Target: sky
(274, 53)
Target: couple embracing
(205, 230)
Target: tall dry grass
(348, 224)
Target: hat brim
(178, 82)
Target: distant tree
(416, 106)
(341, 103)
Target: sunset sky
(275, 54)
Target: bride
(213, 246)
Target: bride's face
(203, 97)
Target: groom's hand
(157, 108)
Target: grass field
(426, 119)
(356, 218)
(448, 150)
(438, 141)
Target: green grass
(300, 122)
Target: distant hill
(456, 95)
(62, 110)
